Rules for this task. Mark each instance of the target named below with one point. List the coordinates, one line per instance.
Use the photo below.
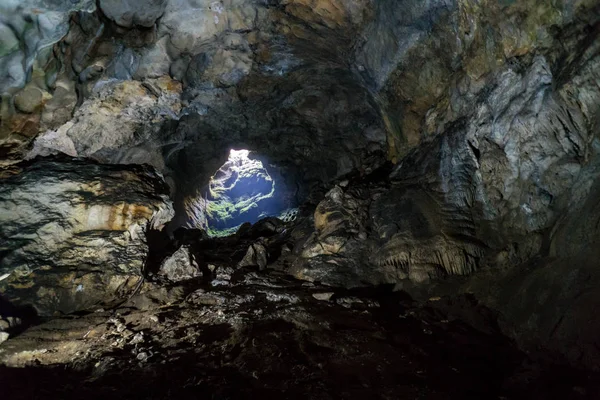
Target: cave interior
(303, 199)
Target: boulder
(29, 99)
(117, 124)
(256, 256)
(129, 13)
(179, 266)
(73, 232)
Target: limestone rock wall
(426, 60)
(73, 232)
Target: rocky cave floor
(434, 141)
(246, 333)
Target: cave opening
(246, 188)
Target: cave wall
(512, 149)
(177, 84)
(321, 88)
(74, 232)
(428, 61)
(488, 111)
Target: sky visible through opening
(242, 190)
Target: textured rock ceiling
(442, 146)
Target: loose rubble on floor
(243, 332)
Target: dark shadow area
(24, 316)
(417, 356)
(162, 245)
(363, 343)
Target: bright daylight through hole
(242, 190)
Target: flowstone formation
(432, 166)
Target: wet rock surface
(179, 266)
(210, 321)
(407, 237)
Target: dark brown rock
(73, 232)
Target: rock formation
(73, 232)
(443, 149)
